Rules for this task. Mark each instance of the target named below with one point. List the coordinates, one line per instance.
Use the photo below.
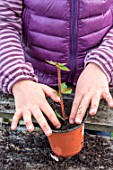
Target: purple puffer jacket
(63, 31)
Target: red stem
(61, 98)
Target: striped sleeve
(13, 67)
(103, 56)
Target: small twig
(61, 98)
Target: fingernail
(77, 120)
(58, 126)
(111, 104)
(58, 98)
(71, 121)
(92, 112)
(48, 133)
(30, 127)
(12, 127)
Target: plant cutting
(66, 141)
(62, 87)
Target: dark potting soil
(20, 150)
(64, 123)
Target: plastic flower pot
(68, 142)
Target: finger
(94, 104)
(48, 111)
(50, 92)
(74, 109)
(16, 119)
(107, 96)
(41, 121)
(28, 120)
(82, 109)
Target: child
(78, 33)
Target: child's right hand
(30, 101)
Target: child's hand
(30, 101)
(92, 86)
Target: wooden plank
(102, 121)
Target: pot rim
(71, 129)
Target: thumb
(50, 92)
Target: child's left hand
(91, 87)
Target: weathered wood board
(102, 121)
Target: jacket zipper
(25, 17)
(73, 39)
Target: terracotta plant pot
(68, 142)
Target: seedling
(62, 87)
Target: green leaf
(58, 94)
(65, 89)
(62, 67)
(58, 115)
(68, 91)
(52, 62)
(63, 86)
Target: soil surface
(20, 150)
(65, 125)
